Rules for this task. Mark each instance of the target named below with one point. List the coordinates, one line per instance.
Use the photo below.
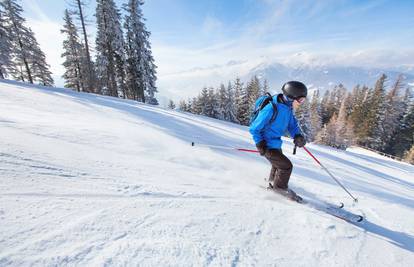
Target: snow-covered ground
(90, 180)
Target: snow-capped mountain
(186, 84)
(325, 77)
(89, 180)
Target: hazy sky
(196, 33)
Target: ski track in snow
(90, 180)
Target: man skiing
(267, 134)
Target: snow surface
(90, 180)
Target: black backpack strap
(268, 99)
(274, 110)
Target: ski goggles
(300, 99)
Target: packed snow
(91, 180)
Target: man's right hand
(261, 146)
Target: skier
(267, 134)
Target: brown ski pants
(281, 168)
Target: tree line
(380, 118)
(123, 66)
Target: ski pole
(226, 147)
(330, 174)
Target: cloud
(211, 25)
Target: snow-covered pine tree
(230, 108)
(223, 99)
(171, 104)
(182, 106)
(203, 102)
(212, 104)
(244, 106)
(394, 110)
(188, 105)
(241, 102)
(327, 136)
(19, 36)
(109, 49)
(73, 54)
(344, 129)
(253, 91)
(376, 115)
(404, 137)
(140, 67)
(303, 116)
(28, 59)
(324, 107)
(360, 98)
(335, 99)
(197, 105)
(5, 46)
(315, 117)
(89, 74)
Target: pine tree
(240, 101)
(315, 117)
(171, 104)
(394, 110)
(212, 104)
(203, 102)
(325, 107)
(404, 137)
(183, 106)
(376, 115)
(197, 105)
(327, 135)
(244, 105)
(357, 116)
(89, 73)
(19, 36)
(110, 49)
(253, 91)
(141, 73)
(230, 108)
(344, 129)
(5, 47)
(304, 119)
(73, 54)
(29, 61)
(222, 102)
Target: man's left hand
(299, 140)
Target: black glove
(261, 146)
(299, 140)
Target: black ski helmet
(294, 89)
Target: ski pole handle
(294, 150)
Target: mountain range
(187, 84)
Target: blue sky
(193, 33)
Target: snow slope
(90, 180)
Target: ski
(337, 211)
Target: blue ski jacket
(262, 129)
